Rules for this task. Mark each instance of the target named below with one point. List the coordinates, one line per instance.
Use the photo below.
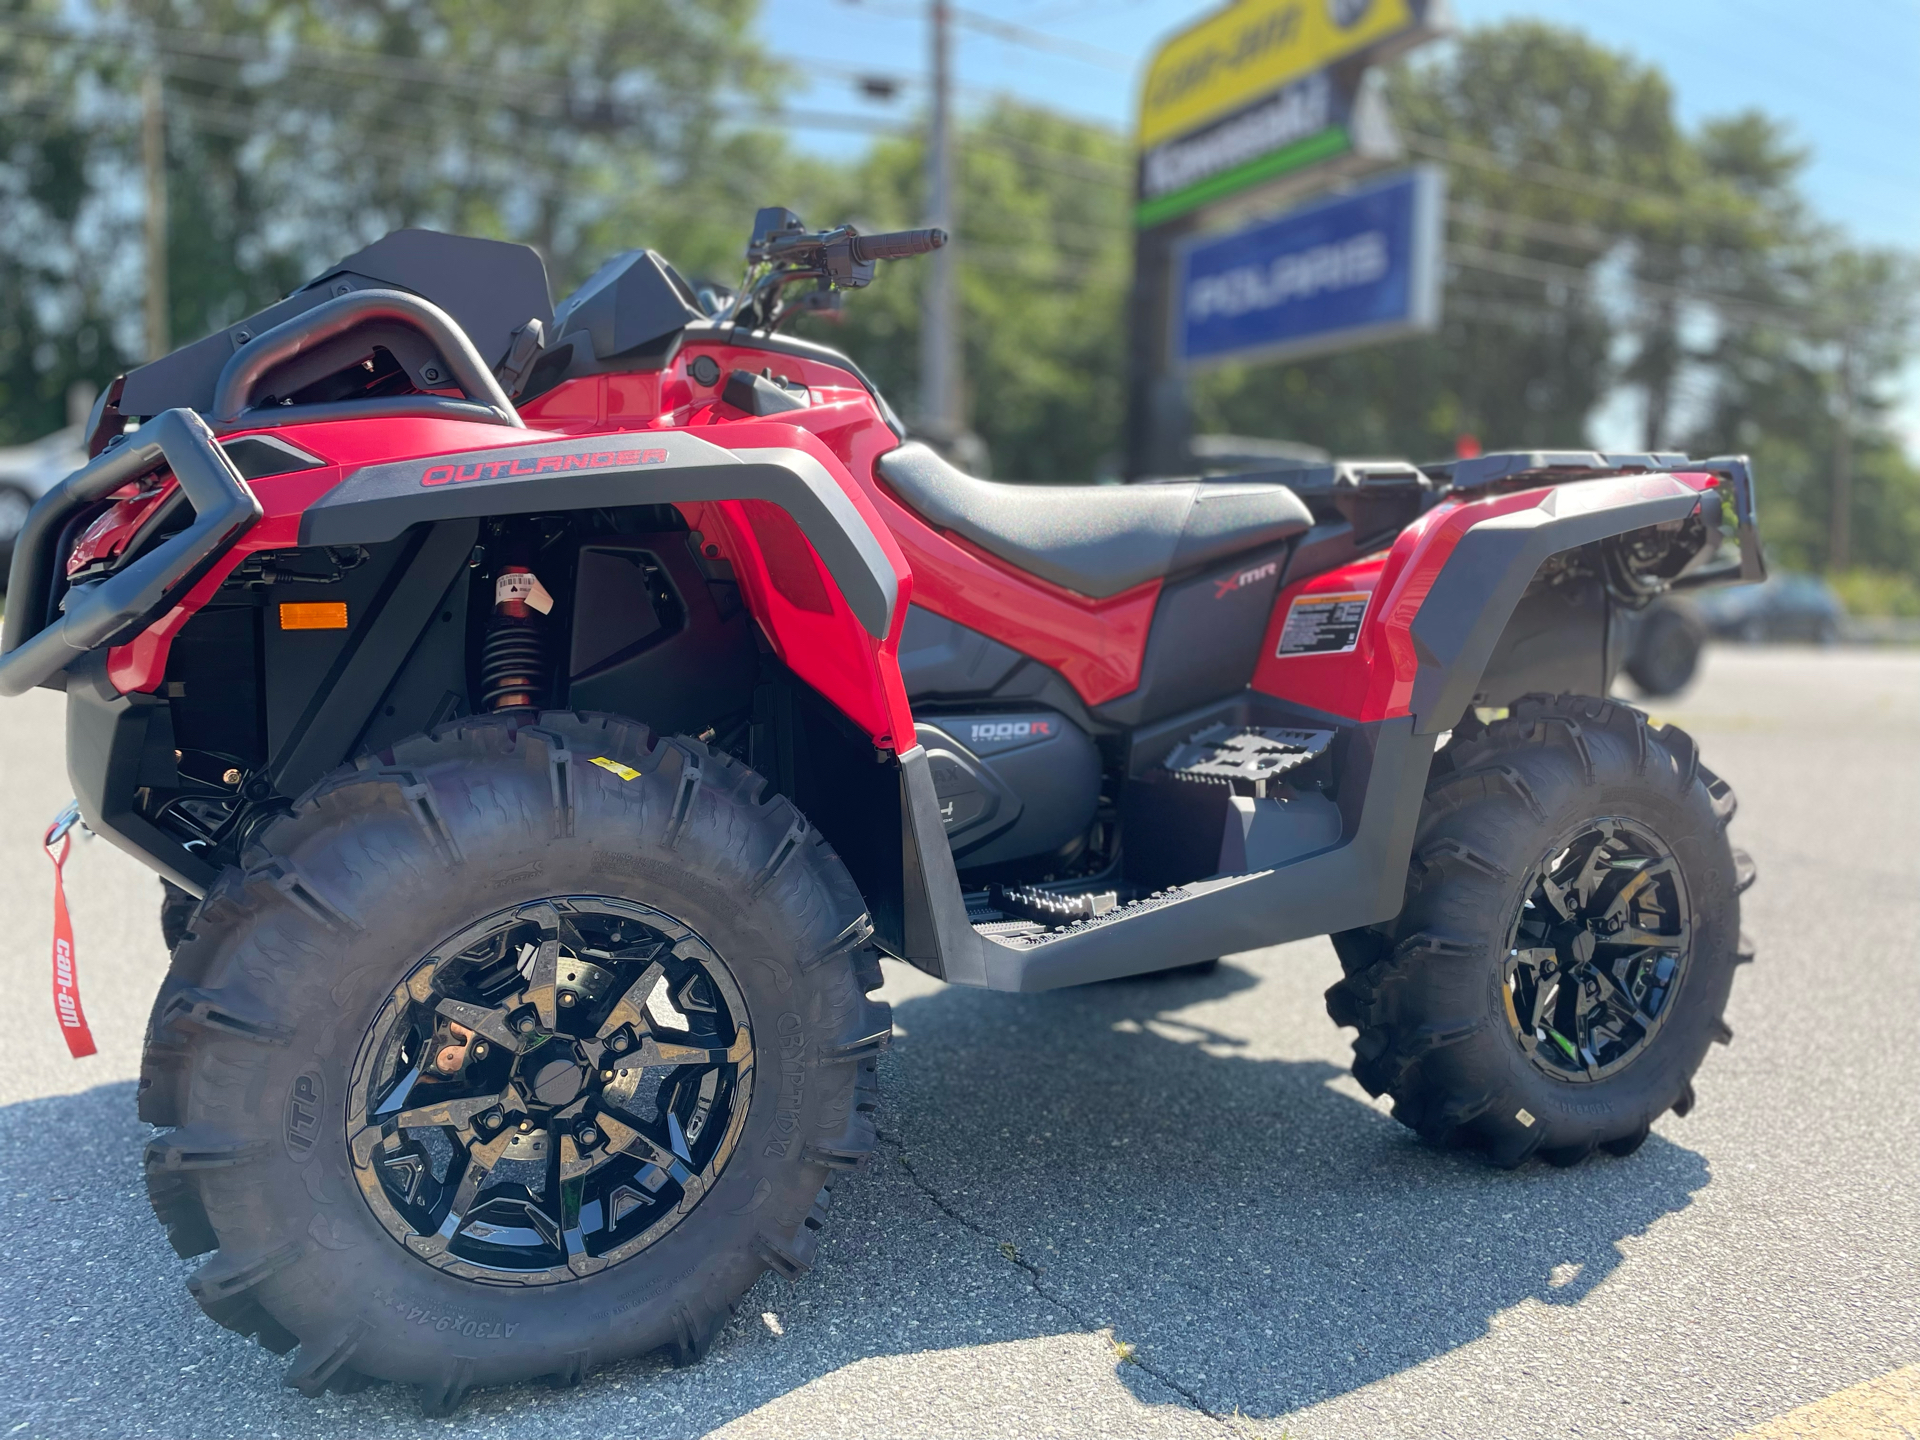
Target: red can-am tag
(66, 979)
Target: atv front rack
(39, 640)
(46, 631)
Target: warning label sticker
(1323, 624)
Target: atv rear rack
(1521, 469)
(1379, 497)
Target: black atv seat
(1096, 539)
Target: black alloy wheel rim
(1598, 950)
(550, 1091)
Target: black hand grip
(898, 245)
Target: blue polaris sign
(1360, 267)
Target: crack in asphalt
(1034, 1273)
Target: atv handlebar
(837, 259)
(897, 245)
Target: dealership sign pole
(1259, 101)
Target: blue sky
(1845, 75)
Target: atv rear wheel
(518, 1049)
(1569, 937)
(1666, 648)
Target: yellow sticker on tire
(625, 772)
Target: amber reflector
(314, 615)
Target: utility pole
(1840, 522)
(153, 155)
(939, 325)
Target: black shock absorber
(513, 662)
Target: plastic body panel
(1358, 882)
(675, 675)
(1205, 638)
(323, 688)
(944, 666)
(115, 744)
(839, 636)
(1433, 620)
(1014, 785)
(1558, 640)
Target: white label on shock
(520, 585)
(1324, 624)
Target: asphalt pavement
(1155, 1208)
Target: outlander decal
(453, 474)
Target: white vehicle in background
(28, 471)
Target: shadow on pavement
(1264, 1241)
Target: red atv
(545, 718)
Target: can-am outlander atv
(545, 718)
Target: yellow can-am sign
(1254, 47)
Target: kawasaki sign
(1261, 89)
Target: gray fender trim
(377, 502)
(1361, 881)
(1472, 599)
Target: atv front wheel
(1569, 937)
(518, 1049)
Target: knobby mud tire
(176, 908)
(1425, 989)
(288, 959)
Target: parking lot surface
(1154, 1208)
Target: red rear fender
(1410, 630)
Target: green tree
(1044, 251)
(1558, 152)
(59, 243)
(1807, 392)
(297, 132)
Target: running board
(1359, 881)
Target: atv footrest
(1228, 800)
(1020, 930)
(1046, 908)
(1249, 758)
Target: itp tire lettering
(793, 1080)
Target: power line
(552, 93)
(1500, 262)
(1008, 31)
(1458, 152)
(189, 53)
(1581, 237)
